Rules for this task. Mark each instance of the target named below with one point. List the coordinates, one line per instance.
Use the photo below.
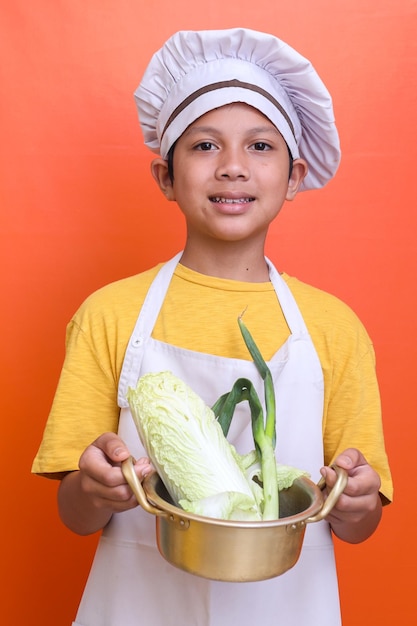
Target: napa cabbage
(188, 449)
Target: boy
(242, 123)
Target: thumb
(112, 446)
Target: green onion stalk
(263, 428)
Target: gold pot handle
(332, 498)
(136, 486)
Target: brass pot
(232, 550)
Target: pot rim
(150, 485)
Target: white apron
(130, 584)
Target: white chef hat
(197, 71)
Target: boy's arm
(87, 498)
(358, 511)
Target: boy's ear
(298, 173)
(159, 170)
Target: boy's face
(231, 169)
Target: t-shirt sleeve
(84, 406)
(85, 403)
(353, 418)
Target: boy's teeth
(231, 200)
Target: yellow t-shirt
(200, 313)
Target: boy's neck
(227, 261)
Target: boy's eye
(205, 145)
(261, 146)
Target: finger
(96, 465)
(106, 486)
(362, 481)
(350, 459)
(116, 499)
(143, 467)
(113, 447)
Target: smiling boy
(240, 123)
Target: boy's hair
(170, 162)
(197, 71)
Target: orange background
(79, 209)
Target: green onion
(263, 430)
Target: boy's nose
(232, 165)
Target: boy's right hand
(88, 497)
(101, 474)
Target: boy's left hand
(358, 510)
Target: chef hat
(197, 71)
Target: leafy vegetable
(186, 442)
(188, 449)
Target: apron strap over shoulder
(146, 320)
